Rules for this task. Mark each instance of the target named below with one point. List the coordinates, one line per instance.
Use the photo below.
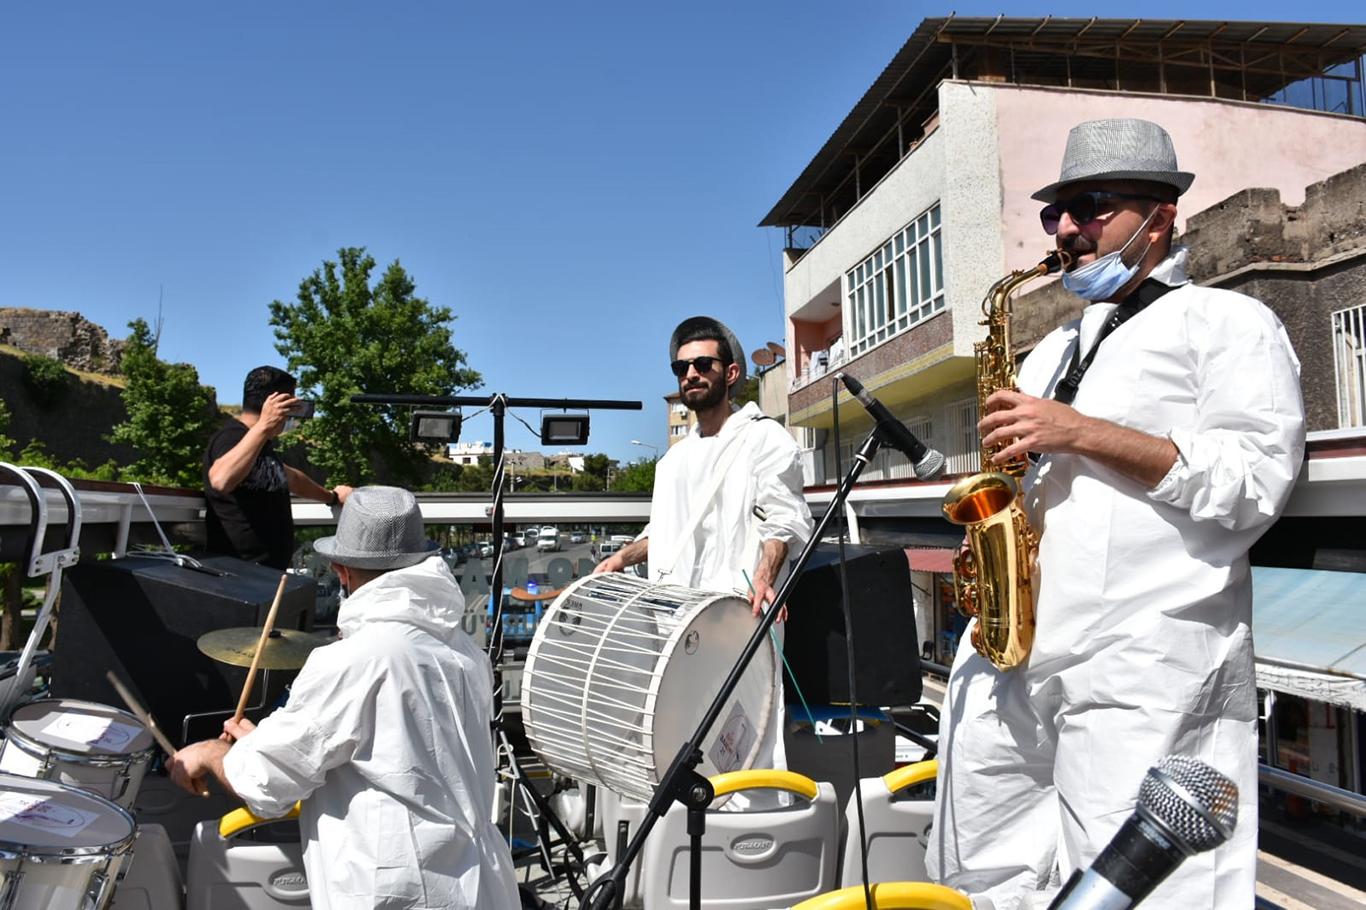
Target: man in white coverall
(385, 736)
(1182, 440)
(743, 536)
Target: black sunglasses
(703, 365)
(1083, 208)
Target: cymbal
(285, 649)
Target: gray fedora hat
(1123, 149)
(693, 324)
(379, 528)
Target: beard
(699, 398)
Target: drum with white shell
(81, 743)
(621, 671)
(61, 848)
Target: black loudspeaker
(142, 618)
(886, 643)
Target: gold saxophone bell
(994, 577)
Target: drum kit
(71, 770)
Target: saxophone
(993, 578)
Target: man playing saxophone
(1168, 430)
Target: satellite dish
(777, 350)
(762, 357)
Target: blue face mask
(1100, 280)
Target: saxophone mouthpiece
(1057, 261)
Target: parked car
(517, 541)
(486, 550)
(548, 541)
(578, 537)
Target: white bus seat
(151, 880)
(751, 860)
(228, 869)
(891, 896)
(897, 829)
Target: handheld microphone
(925, 461)
(1184, 807)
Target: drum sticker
(103, 733)
(734, 742)
(42, 814)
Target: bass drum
(621, 671)
(60, 848)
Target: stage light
(564, 429)
(434, 427)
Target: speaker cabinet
(142, 618)
(886, 647)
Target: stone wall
(1303, 262)
(65, 336)
(73, 426)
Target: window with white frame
(963, 444)
(1349, 365)
(897, 286)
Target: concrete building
(920, 198)
(680, 419)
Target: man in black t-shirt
(247, 486)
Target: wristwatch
(333, 499)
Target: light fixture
(434, 427)
(564, 429)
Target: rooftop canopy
(1245, 61)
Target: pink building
(920, 198)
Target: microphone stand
(681, 782)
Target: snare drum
(81, 743)
(61, 848)
(621, 671)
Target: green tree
(593, 477)
(6, 443)
(636, 477)
(47, 379)
(748, 391)
(342, 336)
(170, 415)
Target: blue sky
(571, 179)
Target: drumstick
(143, 715)
(260, 645)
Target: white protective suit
(1143, 645)
(385, 738)
(760, 499)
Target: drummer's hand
(613, 563)
(762, 596)
(233, 730)
(191, 765)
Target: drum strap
(698, 508)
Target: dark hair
(700, 330)
(263, 382)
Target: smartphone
(302, 408)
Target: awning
(926, 559)
(1309, 627)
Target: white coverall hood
(419, 596)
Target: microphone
(925, 461)
(1184, 807)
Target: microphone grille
(930, 466)
(1197, 803)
